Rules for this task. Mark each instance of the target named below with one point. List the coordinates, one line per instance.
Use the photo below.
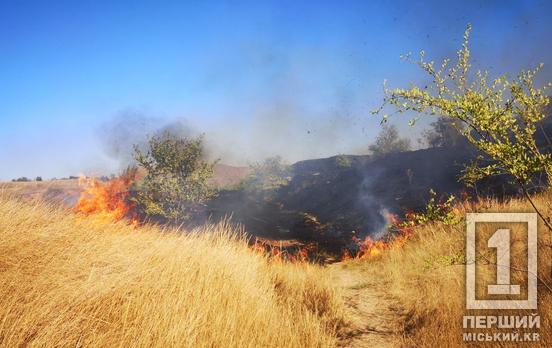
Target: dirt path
(372, 314)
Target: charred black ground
(327, 202)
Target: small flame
(108, 199)
(367, 247)
(289, 253)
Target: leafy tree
(443, 134)
(269, 174)
(498, 116)
(38, 178)
(177, 177)
(388, 141)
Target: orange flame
(108, 199)
(368, 247)
(289, 253)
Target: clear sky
(258, 78)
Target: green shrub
(343, 161)
(176, 182)
(435, 211)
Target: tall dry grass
(427, 277)
(67, 280)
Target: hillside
(325, 201)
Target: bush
(343, 161)
(176, 181)
(435, 211)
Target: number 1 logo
(500, 241)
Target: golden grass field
(70, 280)
(78, 281)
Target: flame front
(107, 199)
(288, 252)
(367, 247)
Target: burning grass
(427, 276)
(68, 280)
(288, 251)
(109, 199)
(399, 231)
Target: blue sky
(259, 78)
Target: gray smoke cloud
(277, 130)
(310, 103)
(133, 127)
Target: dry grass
(72, 281)
(427, 278)
(67, 280)
(65, 192)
